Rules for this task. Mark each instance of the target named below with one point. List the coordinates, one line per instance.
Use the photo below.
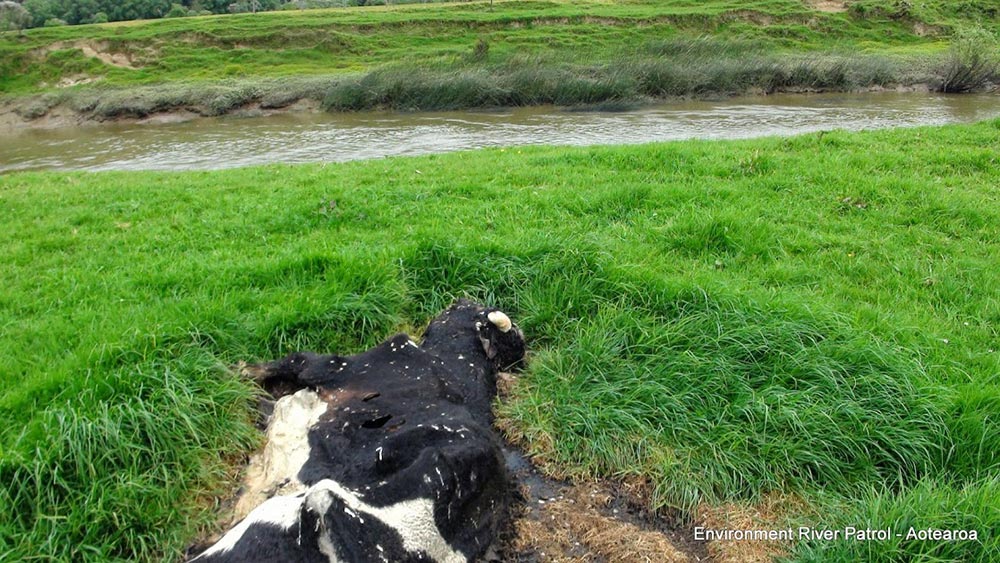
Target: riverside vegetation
(524, 52)
(720, 322)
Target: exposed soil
(94, 49)
(558, 521)
(563, 522)
(60, 116)
(54, 118)
(604, 521)
(829, 6)
(924, 30)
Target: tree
(92, 11)
(40, 11)
(13, 16)
(176, 11)
(79, 11)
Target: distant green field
(815, 316)
(582, 39)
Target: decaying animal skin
(387, 455)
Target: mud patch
(593, 521)
(559, 521)
(925, 30)
(828, 6)
(15, 118)
(76, 80)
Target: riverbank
(209, 143)
(788, 330)
(610, 87)
(59, 116)
(473, 55)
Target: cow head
(502, 340)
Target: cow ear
(488, 346)
(319, 505)
(311, 516)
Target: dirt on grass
(768, 514)
(560, 521)
(99, 50)
(829, 6)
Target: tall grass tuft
(929, 505)
(101, 474)
(714, 396)
(690, 73)
(972, 63)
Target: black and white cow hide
(387, 455)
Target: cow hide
(387, 455)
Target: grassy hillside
(619, 49)
(723, 321)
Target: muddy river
(230, 141)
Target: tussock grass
(972, 63)
(111, 473)
(931, 504)
(629, 80)
(813, 316)
(524, 82)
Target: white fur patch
(412, 519)
(274, 471)
(280, 511)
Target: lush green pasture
(815, 315)
(589, 41)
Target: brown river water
(224, 142)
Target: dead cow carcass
(387, 455)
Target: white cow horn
(501, 320)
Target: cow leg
(296, 371)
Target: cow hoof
(253, 372)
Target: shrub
(176, 11)
(972, 62)
(13, 16)
(481, 50)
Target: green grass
(604, 50)
(815, 316)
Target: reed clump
(972, 62)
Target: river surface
(210, 143)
